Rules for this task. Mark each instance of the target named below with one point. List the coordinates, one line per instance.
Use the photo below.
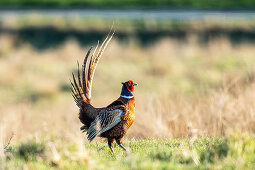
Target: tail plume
(81, 91)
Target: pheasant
(111, 122)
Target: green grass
(235, 152)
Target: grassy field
(195, 95)
(235, 152)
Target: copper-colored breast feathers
(121, 128)
(129, 117)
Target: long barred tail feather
(81, 91)
(93, 62)
(84, 70)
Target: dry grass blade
(9, 142)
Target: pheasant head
(128, 89)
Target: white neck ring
(127, 97)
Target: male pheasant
(111, 122)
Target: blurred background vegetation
(226, 4)
(193, 60)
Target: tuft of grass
(29, 151)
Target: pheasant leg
(110, 142)
(119, 143)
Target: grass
(234, 152)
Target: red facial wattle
(130, 86)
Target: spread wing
(105, 120)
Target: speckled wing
(106, 119)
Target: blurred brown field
(186, 88)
